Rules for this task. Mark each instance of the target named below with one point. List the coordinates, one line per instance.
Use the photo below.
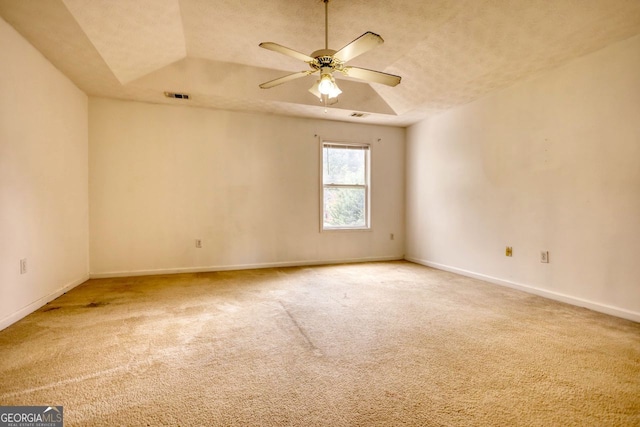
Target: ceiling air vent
(359, 114)
(176, 95)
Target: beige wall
(43, 179)
(549, 164)
(246, 184)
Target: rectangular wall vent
(359, 114)
(176, 95)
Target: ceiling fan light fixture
(314, 89)
(326, 84)
(334, 91)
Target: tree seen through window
(345, 186)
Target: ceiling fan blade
(285, 79)
(286, 51)
(362, 44)
(372, 76)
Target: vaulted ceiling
(448, 52)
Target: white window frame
(367, 185)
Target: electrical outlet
(23, 266)
(544, 257)
(509, 251)
(198, 243)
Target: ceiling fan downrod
(326, 24)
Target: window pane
(344, 165)
(344, 207)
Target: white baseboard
(592, 305)
(25, 311)
(205, 269)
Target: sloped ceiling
(448, 52)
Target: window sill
(356, 229)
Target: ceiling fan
(326, 61)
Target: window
(345, 186)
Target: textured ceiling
(448, 52)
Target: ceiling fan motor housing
(323, 58)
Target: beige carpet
(351, 345)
